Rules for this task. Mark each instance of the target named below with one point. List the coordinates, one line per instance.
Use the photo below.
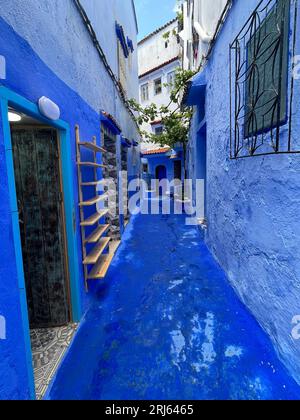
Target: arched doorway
(160, 174)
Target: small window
(145, 92)
(157, 86)
(134, 157)
(171, 80)
(177, 169)
(158, 130)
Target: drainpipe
(204, 37)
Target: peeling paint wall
(253, 206)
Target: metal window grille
(262, 83)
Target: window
(145, 92)
(134, 157)
(145, 168)
(177, 169)
(158, 130)
(171, 80)
(262, 90)
(267, 67)
(157, 86)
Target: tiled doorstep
(49, 346)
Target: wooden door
(38, 185)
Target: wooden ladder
(95, 262)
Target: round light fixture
(14, 116)
(173, 154)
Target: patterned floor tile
(48, 348)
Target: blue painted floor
(167, 325)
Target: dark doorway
(160, 175)
(177, 169)
(40, 203)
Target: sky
(152, 14)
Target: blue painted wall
(253, 205)
(14, 378)
(49, 52)
(154, 161)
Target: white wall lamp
(174, 154)
(49, 109)
(14, 116)
(2, 68)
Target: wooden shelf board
(92, 146)
(94, 200)
(101, 268)
(91, 221)
(96, 253)
(113, 246)
(97, 234)
(91, 164)
(93, 184)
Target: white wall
(162, 99)
(200, 17)
(104, 14)
(154, 62)
(152, 52)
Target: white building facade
(199, 21)
(159, 56)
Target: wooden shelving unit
(94, 237)
(93, 257)
(101, 268)
(91, 164)
(92, 147)
(96, 252)
(92, 220)
(93, 201)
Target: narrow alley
(165, 324)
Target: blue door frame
(9, 98)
